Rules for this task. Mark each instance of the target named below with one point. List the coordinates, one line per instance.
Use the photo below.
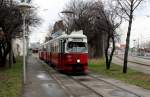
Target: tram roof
(77, 34)
(74, 34)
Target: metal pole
(27, 46)
(24, 57)
(24, 8)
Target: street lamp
(67, 11)
(24, 8)
(72, 15)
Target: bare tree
(82, 15)
(112, 22)
(98, 23)
(128, 7)
(11, 24)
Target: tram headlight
(78, 60)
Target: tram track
(70, 94)
(89, 76)
(61, 79)
(114, 85)
(100, 95)
(52, 73)
(76, 79)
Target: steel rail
(114, 85)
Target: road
(136, 63)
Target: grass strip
(132, 76)
(11, 80)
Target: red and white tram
(68, 53)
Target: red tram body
(68, 53)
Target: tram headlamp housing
(78, 60)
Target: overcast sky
(48, 10)
(140, 26)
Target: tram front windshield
(77, 47)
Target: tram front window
(77, 47)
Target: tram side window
(49, 49)
(52, 48)
(58, 48)
(61, 46)
(44, 48)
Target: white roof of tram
(74, 34)
(77, 34)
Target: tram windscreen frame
(77, 47)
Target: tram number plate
(77, 39)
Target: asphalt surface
(138, 59)
(139, 64)
(39, 83)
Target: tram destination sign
(77, 39)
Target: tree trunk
(103, 45)
(112, 52)
(127, 43)
(99, 52)
(3, 62)
(14, 59)
(10, 54)
(107, 56)
(106, 52)
(5, 48)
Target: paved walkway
(144, 57)
(39, 83)
(135, 65)
(137, 59)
